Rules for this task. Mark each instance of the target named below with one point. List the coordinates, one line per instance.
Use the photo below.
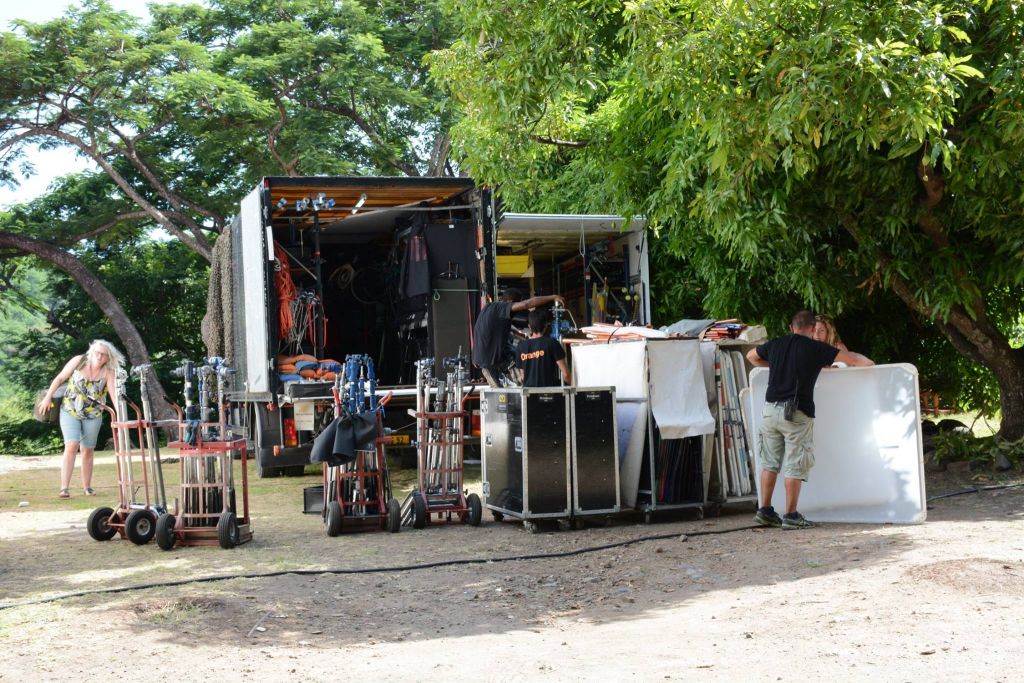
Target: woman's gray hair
(113, 355)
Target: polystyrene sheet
(678, 392)
(622, 365)
(632, 422)
(868, 466)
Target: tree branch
(543, 139)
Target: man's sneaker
(794, 520)
(768, 517)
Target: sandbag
(338, 443)
(52, 415)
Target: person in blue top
(787, 428)
(541, 357)
(90, 378)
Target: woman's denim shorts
(84, 432)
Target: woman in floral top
(90, 378)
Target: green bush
(963, 446)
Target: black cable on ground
(374, 570)
(975, 490)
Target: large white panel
(622, 365)
(631, 419)
(678, 393)
(254, 294)
(867, 445)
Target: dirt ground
(691, 599)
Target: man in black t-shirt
(787, 436)
(491, 347)
(541, 357)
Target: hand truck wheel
(227, 530)
(476, 509)
(165, 534)
(99, 524)
(419, 510)
(332, 518)
(394, 524)
(497, 516)
(140, 527)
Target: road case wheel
(140, 527)
(394, 524)
(227, 530)
(99, 524)
(476, 509)
(165, 535)
(419, 510)
(332, 519)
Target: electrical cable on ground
(997, 487)
(374, 570)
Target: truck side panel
(254, 294)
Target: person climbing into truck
(492, 344)
(541, 357)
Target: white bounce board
(869, 466)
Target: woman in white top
(90, 378)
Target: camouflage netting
(219, 319)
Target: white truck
(314, 269)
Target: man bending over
(787, 428)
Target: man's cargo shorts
(787, 447)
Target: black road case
(595, 452)
(526, 452)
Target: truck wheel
(265, 472)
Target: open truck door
(319, 268)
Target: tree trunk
(977, 339)
(134, 347)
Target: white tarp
(678, 391)
(868, 466)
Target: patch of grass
(175, 611)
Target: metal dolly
(357, 495)
(440, 439)
(137, 470)
(206, 511)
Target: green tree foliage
(824, 154)
(182, 114)
(186, 111)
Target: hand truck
(138, 469)
(357, 494)
(206, 511)
(440, 439)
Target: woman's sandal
(64, 493)
(89, 491)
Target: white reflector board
(622, 365)
(869, 466)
